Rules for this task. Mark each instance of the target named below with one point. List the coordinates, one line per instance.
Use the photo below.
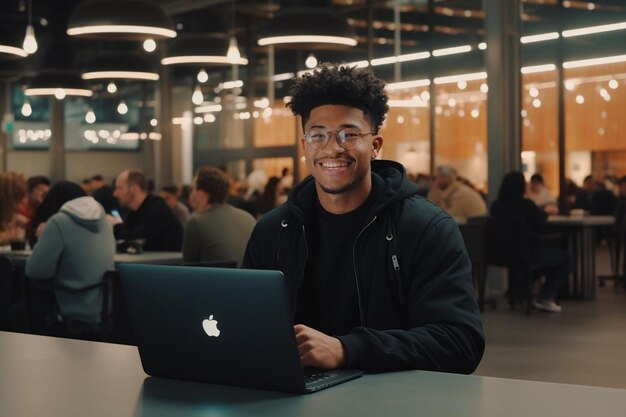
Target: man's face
(535, 187)
(123, 192)
(337, 170)
(441, 181)
(169, 198)
(38, 194)
(197, 197)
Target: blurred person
(51, 204)
(541, 196)
(169, 193)
(424, 183)
(236, 197)
(378, 277)
(620, 213)
(256, 184)
(555, 261)
(286, 180)
(75, 248)
(272, 196)
(149, 216)
(13, 189)
(103, 193)
(216, 231)
(185, 191)
(584, 194)
(38, 187)
(458, 199)
(85, 184)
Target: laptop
(219, 325)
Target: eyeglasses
(346, 138)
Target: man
(216, 230)
(458, 199)
(541, 196)
(37, 188)
(103, 193)
(149, 218)
(169, 193)
(379, 277)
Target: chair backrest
(509, 242)
(475, 238)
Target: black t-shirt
(328, 299)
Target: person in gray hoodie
(75, 248)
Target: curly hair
(214, 182)
(340, 84)
(12, 190)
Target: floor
(584, 344)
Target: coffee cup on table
(577, 213)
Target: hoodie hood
(86, 212)
(389, 184)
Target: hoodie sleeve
(42, 263)
(445, 330)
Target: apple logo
(210, 327)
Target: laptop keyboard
(316, 377)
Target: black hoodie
(413, 275)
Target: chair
(474, 236)
(73, 328)
(511, 245)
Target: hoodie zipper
(356, 274)
(306, 258)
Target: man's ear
(377, 145)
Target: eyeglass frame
(340, 142)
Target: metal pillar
(57, 140)
(503, 62)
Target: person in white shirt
(541, 196)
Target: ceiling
(455, 22)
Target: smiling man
(379, 277)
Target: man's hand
(113, 220)
(318, 349)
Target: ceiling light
(149, 45)
(312, 25)
(208, 108)
(12, 50)
(594, 61)
(202, 76)
(407, 84)
(461, 77)
(59, 84)
(311, 61)
(27, 110)
(453, 50)
(580, 99)
(233, 54)
(197, 97)
(538, 68)
(413, 57)
(30, 42)
(111, 87)
(90, 116)
(201, 49)
(613, 84)
(122, 108)
(540, 37)
(482, 46)
(120, 20)
(121, 66)
(594, 29)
